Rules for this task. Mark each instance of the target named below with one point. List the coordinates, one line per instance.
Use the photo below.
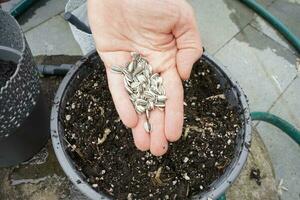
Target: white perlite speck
(186, 159)
(186, 177)
(145, 89)
(68, 117)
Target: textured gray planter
(23, 116)
(235, 95)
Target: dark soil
(118, 169)
(255, 174)
(7, 69)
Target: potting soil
(102, 148)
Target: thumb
(188, 42)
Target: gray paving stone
(7, 6)
(53, 37)
(40, 12)
(265, 2)
(219, 21)
(263, 67)
(283, 151)
(261, 25)
(288, 11)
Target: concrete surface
(280, 9)
(263, 68)
(42, 11)
(284, 152)
(219, 21)
(53, 37)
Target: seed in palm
(145, 89)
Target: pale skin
(166, 34)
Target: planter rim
(24, 122)
(9, 49)
(222, 184)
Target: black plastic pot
(77, 73)
(24, 127)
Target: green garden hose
(275, 22)
(282, 124)
(21, 7)
(223, 197)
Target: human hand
(166, 34)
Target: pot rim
(11, 50)
(221, 185)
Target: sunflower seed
(150, 105)
(138, 70)
(145, 89)
(135, 55)
(134, 85)
(132, 99)
(147, 74)
(160, 105)
(161, 98)
(152, 92)
(147, 114)
(149, 95)
(129, 77)
(117, 69)
(159, 80)
(150, 69)
(128, 89)
(141, 102)
(161, 109)
(141, 78)
(147, 127)
(127, 82)
(130, 67)
(140, 109)
(125, 71)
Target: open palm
(165, 33)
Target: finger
(140, 136)
(158, 143)
(188, 43)
(116, 86)
(174, 104)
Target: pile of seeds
(145, 89)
